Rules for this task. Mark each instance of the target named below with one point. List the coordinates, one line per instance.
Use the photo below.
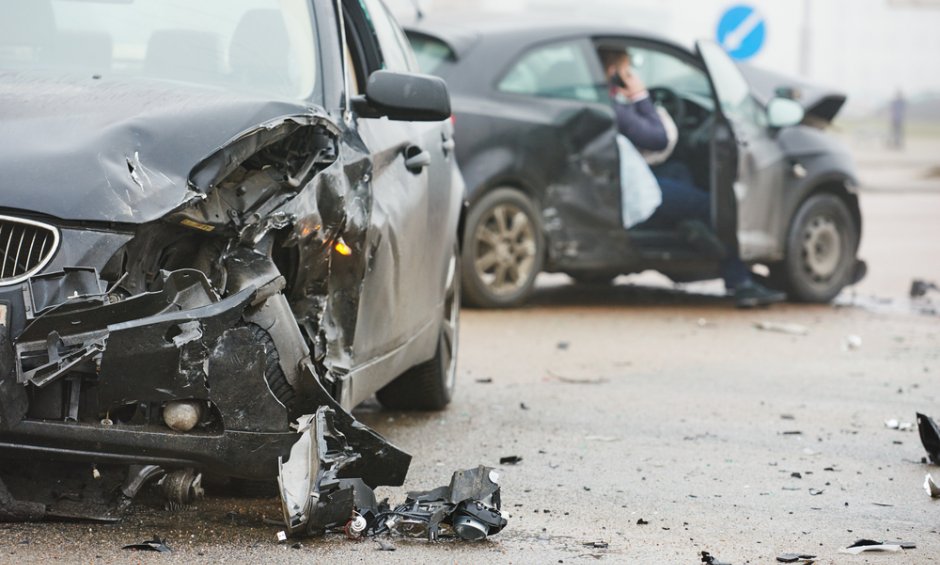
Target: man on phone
(682, 204)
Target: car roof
(461, 37)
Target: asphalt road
(639, 401)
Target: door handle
(416, 159)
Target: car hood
(818, 101)
(116, 151)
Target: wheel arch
(841, 185)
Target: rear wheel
(821, 247)
(503, 248)
(430, 385)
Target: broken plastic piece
(510, 460)
(156, 544)
(795, 558)
(895, 424)
(469, 508)
(921, 288)
(931, 487)
(930, 437)
(866, 545)
(710, 559)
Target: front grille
(25, 248)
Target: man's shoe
(751, 295)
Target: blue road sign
(742, 31)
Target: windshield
(262, 46)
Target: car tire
(503, 250)
(430, 385)
(821, 247)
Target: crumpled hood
(819, 101)
(105, 150)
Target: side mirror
(404, 96)
(783, 112)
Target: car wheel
(503, 248)
(430, 385)
(821, 247)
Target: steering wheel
(671, 102)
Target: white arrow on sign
(735, 38)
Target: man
(683, 205)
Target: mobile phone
(617, 80)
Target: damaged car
(222, 226)
(537, 144)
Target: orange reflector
(342, 248)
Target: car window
(265, 46)
(733, 91)
(558, 70)
(396, 51)
(430, 53)
(659, 69)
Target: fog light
(182, 415)
(342, 248)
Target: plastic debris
(155, 544)
(778, 327)
(931, 486)
(510, 460)
(596, 544)
(281, 536)
(796, 558)
(930, 437)
(866, 545)
(710, 559)
(894, 424)
(642, 522)
(920, 288)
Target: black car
(216, 219)
(536, 141)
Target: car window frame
(400, 43)
(590, 57)
(363, 47)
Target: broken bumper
(91, 380)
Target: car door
(401, 289)
(748, 166)
(557, 90)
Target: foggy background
(870, 49)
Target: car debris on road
(933, 490)
(920, 288)
(867, 545)
(316, 497)
(929, 437)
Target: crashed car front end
(192, 341)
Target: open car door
(732, 93)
